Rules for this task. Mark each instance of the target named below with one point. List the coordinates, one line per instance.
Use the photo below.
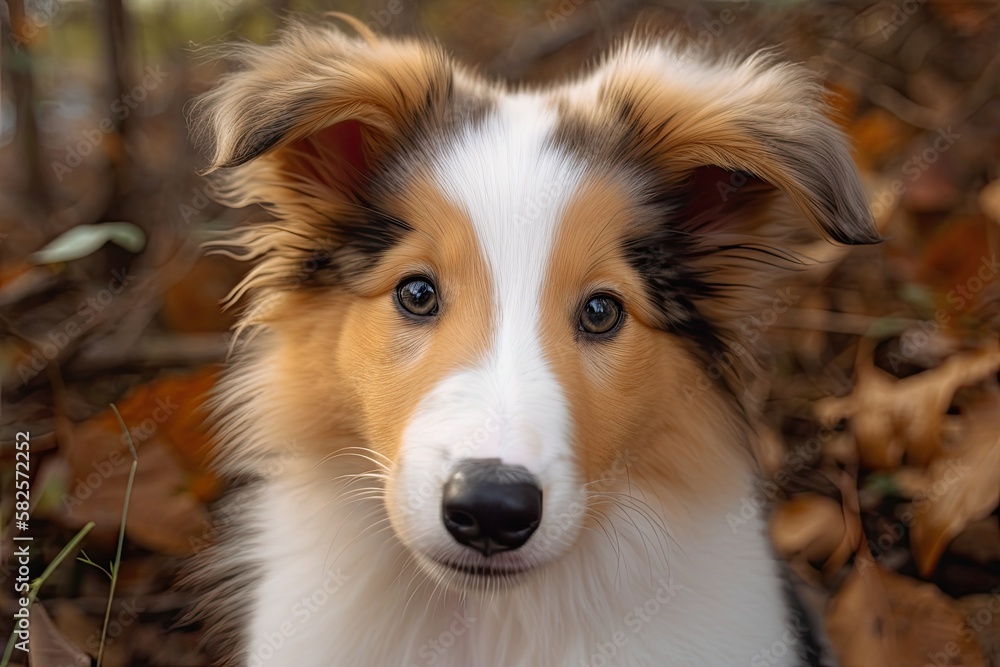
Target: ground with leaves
(879, 452)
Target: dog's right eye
(417, 297)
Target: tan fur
(627, 396)
(262, 125)
(360, 355)
(759, 116)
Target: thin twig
(121, 531)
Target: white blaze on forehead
(514, 183)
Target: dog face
(500, 300)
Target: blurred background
(880, 451)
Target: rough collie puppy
(494, 410)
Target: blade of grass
(84, 558)
(37, 584)
(121, 532)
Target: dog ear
(736, 158)
(302, 127)
(316, 111)
(724, 134)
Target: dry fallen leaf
(859, 621)
(49, 647)
(982, 623)
(769, 451)
(165, 419)
(892, 418)
(882, 619)
(961, 487)
(163, 512)
(184, 429)
(816, 528)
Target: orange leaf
(892, 418)
(882, 619)
(166, 420)
(815, 527)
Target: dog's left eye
(417, 297)
(601, 314)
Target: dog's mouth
(459, 574)
(483, 571)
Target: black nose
(490, 506)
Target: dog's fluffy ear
(318, 108)
(737, 158)
(733, 127)
(303, 127)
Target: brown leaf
(769, 451)
(170, 408)
(982, 623)
(186, 430)
(815, 527)
(882, 619)
(163, 513)
(859, 622)
(166, 422)
(892, 418)
(958, 488)
(49, 647)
